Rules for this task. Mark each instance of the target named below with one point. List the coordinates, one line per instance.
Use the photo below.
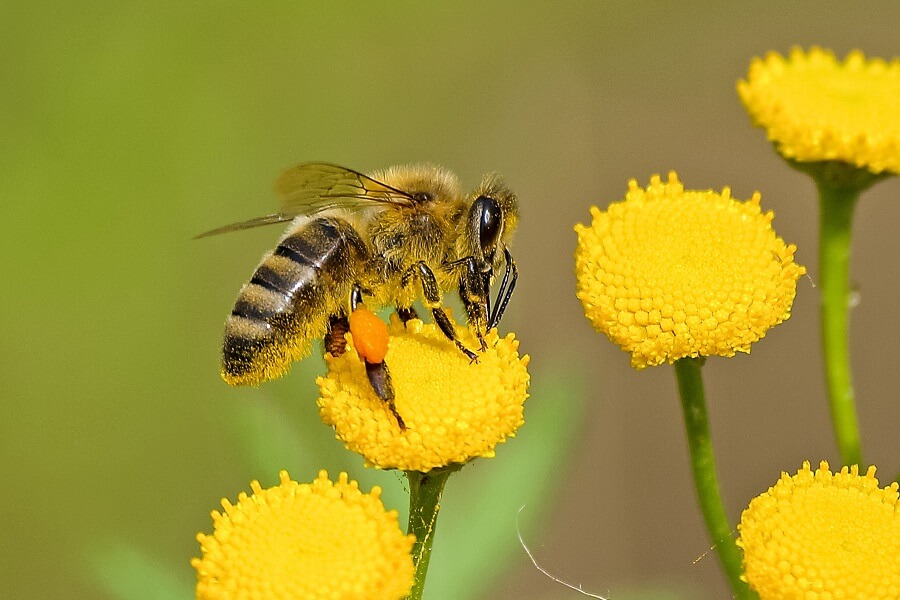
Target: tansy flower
(453, 409)
(818, 536)
(815, 108)
(671, 273)
(303, 542)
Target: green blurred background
(129, 128)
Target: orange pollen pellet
(370, 335)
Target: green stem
(836, 206)
(703, 463)
(839, 185)
(425, 490)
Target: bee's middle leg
(432, 294)
(407, 314)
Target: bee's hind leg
(338, 325)
(377, 372)
(380, 378)
(335, 343)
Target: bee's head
(493, 217)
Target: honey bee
(389, 239)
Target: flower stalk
(703, 465)
(839, 185)
(836, 207)
(837, 122)
(425, 491)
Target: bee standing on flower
(381, 239)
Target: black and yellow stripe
(287, 302)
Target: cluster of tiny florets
(670, 273)
(299, 541)
(816, 108)
(453, 409)
(820, 535)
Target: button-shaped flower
(670, 273)
(296, 541)
(453, 409)
(818, 535)
(816, 108)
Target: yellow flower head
(305, 541)
(815, 108)
(818, 536)
(454, 410)
(671, 273)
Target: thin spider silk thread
(544, 571)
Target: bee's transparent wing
(313, 187)
(257, 222)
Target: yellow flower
(670, 273)
(305, 541)
(454, 410)
(815, 108)
(820, 536)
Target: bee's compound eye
(490, 223)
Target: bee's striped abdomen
(287, 302)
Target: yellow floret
(454, 409)
(815, 108)
(295, 541)
(671, 273)
(823, 536)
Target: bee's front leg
(510, 276)
(473, 291)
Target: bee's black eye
(490, 223)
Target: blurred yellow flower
(305, 541)
(819, 536)
(671, 273)
(815, 108)
(454, 410)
